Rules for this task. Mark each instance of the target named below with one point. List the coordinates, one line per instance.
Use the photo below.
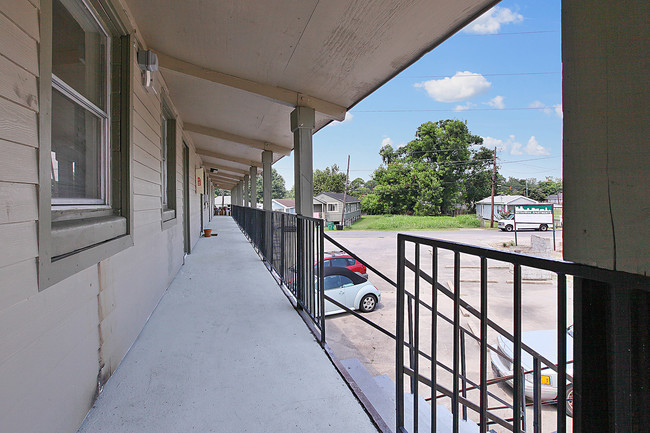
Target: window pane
(76, 150)
(332, 282)
(345, 280)
(79, 50)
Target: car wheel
(543, 227)
(569, 400)
(508, 228)
(368, 303)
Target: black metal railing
(421, 303)
(292, 248)
(467, 384)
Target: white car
(545, 343)
(349, 289)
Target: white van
(535, 217)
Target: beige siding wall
(57, 344)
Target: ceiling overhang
(236, 70)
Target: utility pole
(494, 180)
(345, 192)
(526, 187)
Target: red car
(341, 260)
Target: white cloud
(467, 106)
(514, 147)
(534, 148)
(348, 119)
(493, 142)
(386, 141)
(544, 108)
(496, 102)
(461, 87)
(558, 111)
(490, 22)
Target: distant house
(287, 205)
(554, 198)
(502, 204)
(329, 206)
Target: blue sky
(502, 74)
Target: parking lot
(350, 338)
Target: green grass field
(409, 222)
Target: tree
(438, 170)
(329, 180)
(359, 188)
(478, 181)
(278, 189)
(218, 192)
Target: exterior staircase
(380, 391)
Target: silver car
(545, 343)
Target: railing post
(283, 271)
(321, 280)
(399, 348)
(537, 395)
(518, 380)
(454, 397)
(484, 348)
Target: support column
(246, 194)
(237, 198)
(267, 177)
(253, 179)
(606, 123)
(302, 125)
(267, 185)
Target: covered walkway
(225, 351)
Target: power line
(450, 109)
(485, 75)
(512, 33)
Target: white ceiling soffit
(328, 54)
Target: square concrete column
(253, 179)
(303, 121)
(267, 177)
(247, 192)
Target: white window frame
(78, 99)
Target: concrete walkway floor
(225, 351)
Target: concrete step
(380, 391)
(381, 397)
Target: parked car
(349, 289)
(543, 342)
(341, 260)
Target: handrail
(557, 266)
